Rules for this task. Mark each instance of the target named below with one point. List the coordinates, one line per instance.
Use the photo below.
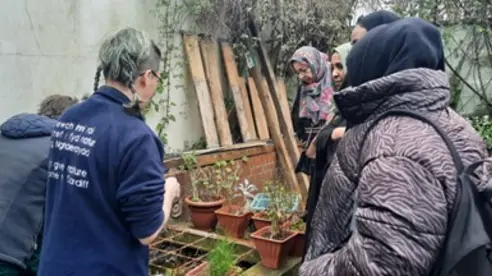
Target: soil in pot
(273, 251)
(202, 213)
(170, 261)
(260, 220)
(245, 265)
(233, 220)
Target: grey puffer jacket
(24, 146)
(406, 184)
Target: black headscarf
(404, 44)
(377, 18)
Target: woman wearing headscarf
(384, 203)
(313, 106)
(327, 140)
(371, 21)
(338, 65)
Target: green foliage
(226, 175)
(210, 183)
(284, 26)
(279, 205)
(483, 125)
(467, 33)
(221, 259)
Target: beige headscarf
(343, 50)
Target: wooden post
(259, 111)
(210, 54)
(233, 77)
(195, 64)
(247, 108)
(285, 124)
(273, 124)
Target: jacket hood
(27, 126)
(416, 89)
(409, 43)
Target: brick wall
(261, 166)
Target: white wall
(50, 47)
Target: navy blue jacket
(105, 190)
(24, 146)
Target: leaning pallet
(195, 65)
(282, 95)
(233, 77)
(210, 55)
(273, 124)
(285, 122)
(259, 111)
(247, 107)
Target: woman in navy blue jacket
(105, 192)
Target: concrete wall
(50, 47)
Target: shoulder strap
(407, 113)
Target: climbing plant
(467, 33)
(284, 26)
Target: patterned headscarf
(315, 99)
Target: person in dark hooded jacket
(24, 145)
(371, 21)
(384, 203)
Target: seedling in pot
(245, 190)
(275, 242)
(234, 218)
(221, 260)
(206, 194)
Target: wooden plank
(235, 151)
(185, 228)
(247, 108)
(273, 124)
(259, 112)
(285, 126)
(287, 268)
(233, 77)
(210, 54)
(192, 51)
(284, 103)
(294, 147)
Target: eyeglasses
(155, 75)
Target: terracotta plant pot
(299, 244)
(202, 213)
(200, 270)
(272, 252)
(233, 225)
(260, 222)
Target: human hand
(311, 150)
(337, 133)
(173, 190)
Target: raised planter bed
(178, 253)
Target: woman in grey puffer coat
(385, 213)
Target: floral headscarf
(315, 99)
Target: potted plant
(206, 195)
(234, 218)
(298, 226)
(261, 219)
(220, 261)
(273, 190)
(274, 242)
